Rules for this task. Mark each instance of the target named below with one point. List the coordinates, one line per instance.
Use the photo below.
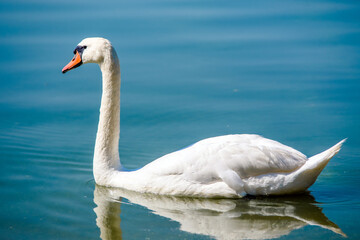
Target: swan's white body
(226, 166)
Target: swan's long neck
(106, 154)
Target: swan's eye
(79, 49)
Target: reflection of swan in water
(107, 215)
(258, 218)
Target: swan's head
(89, 50)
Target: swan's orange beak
(74, 63)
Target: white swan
(226, 166)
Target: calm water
(286, 70)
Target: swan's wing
(232, 156)
(253, 155)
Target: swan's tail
(294, 182)
(309, 172)
(320, 160)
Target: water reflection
(248, 218)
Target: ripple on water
(41, 175)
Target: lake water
(287, 70)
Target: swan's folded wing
(247, 155)
(253, 155)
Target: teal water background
(287, 70)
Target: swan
(229, 166)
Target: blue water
(287, 70)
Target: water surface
(289, 71)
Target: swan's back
(229, 159)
